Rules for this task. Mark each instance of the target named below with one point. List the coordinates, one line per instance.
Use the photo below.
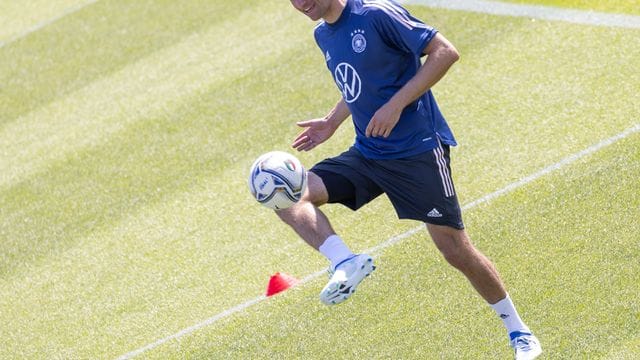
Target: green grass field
(126, 134)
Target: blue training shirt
(372, 50)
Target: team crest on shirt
(358, 41)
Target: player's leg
(333, 180)
(311, 224)
(305, 218)
(421, 188)
(457, 249)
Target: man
(373, 49)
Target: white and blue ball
(277, 180)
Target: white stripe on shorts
(447, 184)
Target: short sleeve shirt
(372, 50)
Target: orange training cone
(280, 282)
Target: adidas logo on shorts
(434, 213)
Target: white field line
(585, 17)
(45, 23)
(195, 327)
(376, 250)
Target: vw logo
(348, 82)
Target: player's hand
(383, 121)
(315, 132)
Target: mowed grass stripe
(88, 116)
(95, 42)
(106, 221)
(19, 19)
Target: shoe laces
(330, 272)
(523, 343)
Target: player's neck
(335, 10)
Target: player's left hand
(316, 131)
(383, 121)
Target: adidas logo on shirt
(434, 213)
(327, 56)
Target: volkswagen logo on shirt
(348, 82)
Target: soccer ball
(277, 180)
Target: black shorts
(419, 187)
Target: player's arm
(338, 114)
(441, 54)
(317, 131)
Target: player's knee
(316, 192)
(455, 248)
(456, 257)
(312, 197)
(299, 210)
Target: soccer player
(373, 50)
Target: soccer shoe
(526, 346)
(345, 279)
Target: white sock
(507, 312)
(335, 250)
